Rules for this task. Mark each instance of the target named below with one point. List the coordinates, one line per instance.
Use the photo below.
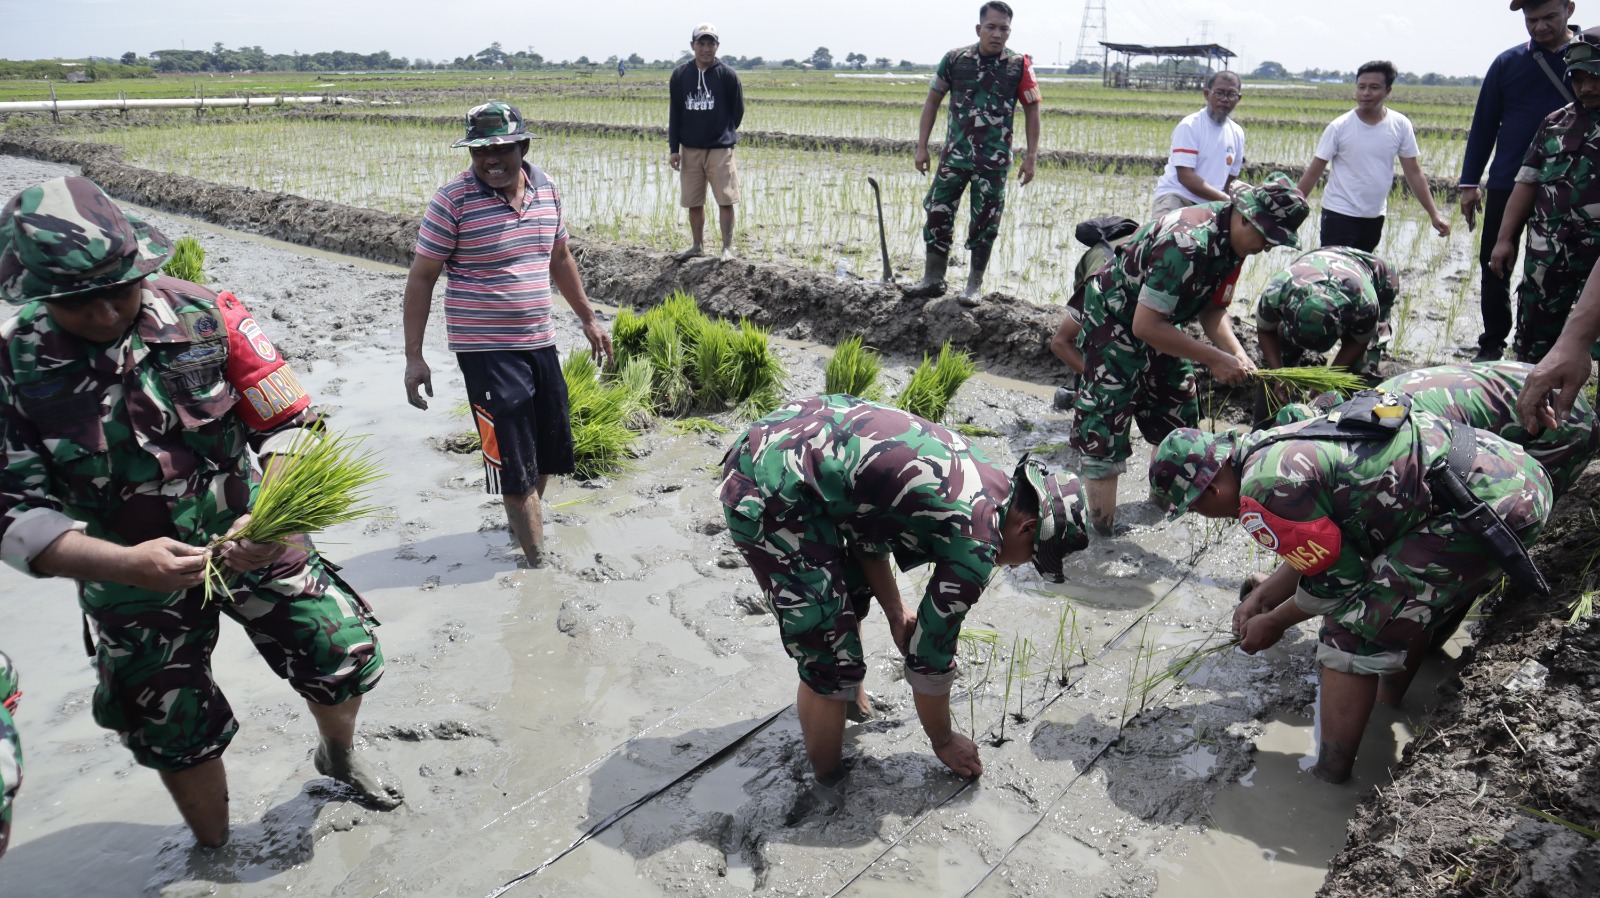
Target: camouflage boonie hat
(10, 683)
(1061, 504)
(494, 122)
(1583, 54)
(66, 237)
(1310, 322)
(1295, 412)
(1277, 208)
(1185, 464)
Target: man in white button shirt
(1207, 151)
(1362, 145)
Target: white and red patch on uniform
(1309, 547)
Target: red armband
(271, 393)
(1224, 294)
(1028, 88)
(1309, 547)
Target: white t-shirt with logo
(1214, 152)
(1361, 161)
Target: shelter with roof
(1167, 75)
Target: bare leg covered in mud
(1102, 496)
(526, 517)
(1345, 705)
(725, 219)
(1392, 687)
(336, 755)
(201, 794)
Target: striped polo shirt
(497, 261)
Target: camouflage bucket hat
(1061, 504)
(1312, 323)
(65, 237)
(1277, 208)
(1185, 464)
(1295, 412)
(494, 122)
(1583, 54)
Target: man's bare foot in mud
(691, 253)
(354, 771)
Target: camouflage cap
(1061, 504)
(65, 237)
(494, 122)
(1277, 208)
(1583, 54)
(1185, 464)
(1311, 322)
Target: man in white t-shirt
(1362, 145)
(1207, 151)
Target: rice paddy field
(805, 205)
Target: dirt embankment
(1518, 733)
(1008, 336)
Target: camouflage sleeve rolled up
(30, 519)
(954, 587)
(1170, 265)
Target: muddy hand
(418, 375)
(344, 765)
(960, 754)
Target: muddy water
(523, 708)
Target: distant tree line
(1273, 71)
(58, 70)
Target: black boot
(979, 263)
(932, 283)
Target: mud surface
(635, 690)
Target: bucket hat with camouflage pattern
(494, 122)
(1277, 208)
(1185, 464)
(66, 237)
(1312, 323)
(1061, 504)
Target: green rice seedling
(1583, 605)
(1025, 655)
(628, 336)
(602, 442)
(976, 430)
(711, 364)
(670, 381)
(1551, 818)
(1314, 379)
(322, 481)
(1069, 641)
(1179, 667)
(698, 425)
(935, 382)
(853, 369)
(681, 309)
(977, 641)
(188, 261)
(1005, 700)
(757, 373)
(633, 383)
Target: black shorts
(519, 401)
(1339, 229)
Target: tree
(907, 64)
(821, 59)
(882, 62)
(635, 59)
(130, 58)
(790, 64)
(1273, 71)
(855, 60)
(491, 56)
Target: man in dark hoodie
(707, 107)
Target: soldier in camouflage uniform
(1178, 268)
(821, 495)
(1377, 554)
(131, 404)
(1328, 295)
(985, 82)
(10, 747)
(1557, 194)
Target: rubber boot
(973, 294)
(932, 283)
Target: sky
(1451, 37)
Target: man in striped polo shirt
(497, 230)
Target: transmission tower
(1094, 23)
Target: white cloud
(1396, 24)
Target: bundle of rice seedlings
(756, 375)
(670, 382)
(935, 383)
(187, 262)
(633, 383)
(681, 309)
(322, 481)
(602, 441)
(711, 364)
(853, 369)
(628, 336)
(1314, 379)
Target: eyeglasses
(1225, 94)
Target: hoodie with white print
(707, 107)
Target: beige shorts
(1169, 202)
(700, 167)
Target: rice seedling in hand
(187, 262)
(321, 482)
(935, 382)
(1314, 379)
(853, 369)
(1182, 666)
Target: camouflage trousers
(1545, 298)
(944, 201)
(1125, 381)
(153, 653)
(1432, 574)
(10, 751)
